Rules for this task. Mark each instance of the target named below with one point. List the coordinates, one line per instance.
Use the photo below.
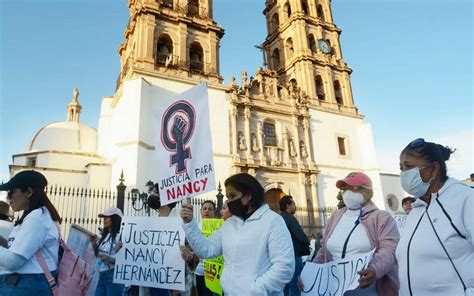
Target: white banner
(400, 220)
(184, 146)
(334, 278)
(150, 255)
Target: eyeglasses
(416, 143)
(353, 188)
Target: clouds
(460, 165)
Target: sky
(412, 62)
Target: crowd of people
(263, 251)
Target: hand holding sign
(186, 213)
(367, 277)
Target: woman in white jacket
(255, 242)
(436, 251)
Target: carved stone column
(233, 133)
(308, 142)
(261, 143)
(286, 147)
(296, 125)
(248, 134)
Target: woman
(225, 213)
(208, 211)
(361, 227)
(255, 243)
(436, 250)
(106, 250)
(36, 230)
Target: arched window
(312, 43)
(287, 9)
(320, 88)
(304, 7)
(196, 57)
(338, 92)
(275, 22)
(269, 134)
(289, 48)
(276, 58)
(320, 12)
(193, 7)
(164, 49)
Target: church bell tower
(173, 38)
(302, 46)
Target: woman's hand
(367, 277)
(186, 213)
(300, 284)
(118, 246)
(186, 254)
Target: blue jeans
(106, 286)
(28, 284)
(291, 289)
(159, 292)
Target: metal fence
(81, 206)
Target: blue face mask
(412, 183)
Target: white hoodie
(423, 264)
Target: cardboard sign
(184, 146)
(400, 220)
(334, 278)
(150, 255)
(213, 267)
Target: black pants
(201, 287)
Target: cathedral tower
(302, 46)
(173, 38)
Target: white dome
(65, 136)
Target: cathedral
(294, 123)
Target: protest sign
(184, 146)
(334, 278)
(400, 220)
(213, 267)
(150, 255)
(79, 240)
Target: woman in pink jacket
(359, 228)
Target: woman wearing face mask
(436, 250)
(357, 229)
(255, 242)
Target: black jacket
(300, 240)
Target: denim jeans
(27, 285)
(106, 286)
(291, 289)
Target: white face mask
(353, 200)
(412, 183)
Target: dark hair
(116, 222)
(209, 201)
(247, 184)
(38, 200)
(431, 153)
(4, 217)
(284, 202)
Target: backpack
(74, 274)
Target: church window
(31, 161)
(164, 50)
(312, 42)
(287, 9)
(304, 7)
(320, 88)
(275, 22)
(320, 13)
(193, 8)
(167, 3)
(289, 48)
(269, 134)
(338, 92)
(196, 57)
(276, 58)
(341, 143)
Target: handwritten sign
(150, 255)
(400, 220)
(334, 278)
(213, 267)
(183, 146)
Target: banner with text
(150, 255)
(185, 166)
(213, 267)
(334, 278)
